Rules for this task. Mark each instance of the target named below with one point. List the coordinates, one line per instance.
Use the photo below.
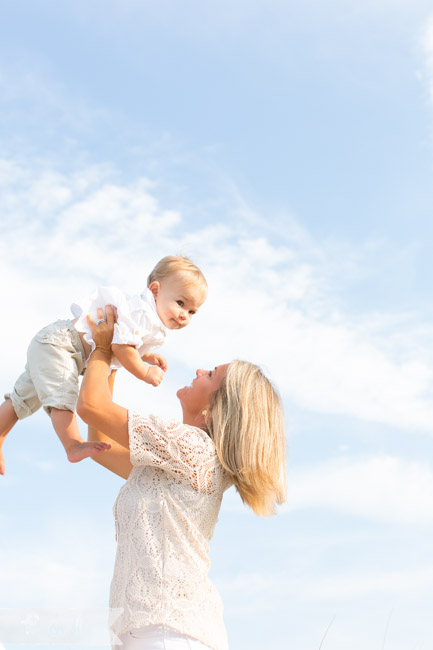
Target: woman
(232, 432)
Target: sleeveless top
(165, 516)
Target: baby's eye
(180, 303)
(191, 311)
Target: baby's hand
(156, 360)
(154, 376)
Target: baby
(58, 354)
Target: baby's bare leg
(8, 418)
(66, 427)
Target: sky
(287, 148)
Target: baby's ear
(154, 288)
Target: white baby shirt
(138, 321)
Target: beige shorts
(55, 360)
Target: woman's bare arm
(95, 404)
(117, 458)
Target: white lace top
(138, 323)
(165, 516)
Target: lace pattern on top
(166, 513)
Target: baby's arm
(155, 360)
(130, 359)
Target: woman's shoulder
(171, 425)
(171, 435)
(185, 451)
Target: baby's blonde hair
(178, 264)
(246, 423)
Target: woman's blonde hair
(245, 421)
(178, 264)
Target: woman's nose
(200, 372)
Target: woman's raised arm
(95, 403)
(116, 459)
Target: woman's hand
(95, 403)
(103, 330)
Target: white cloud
(350, 585)
(360, 609)
(395, 583)
(384, 488)
(59, 577)
(324, 360)
(51, 582)
(272, 298)
(59, 568)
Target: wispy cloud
(393, 490)
(381, 489)
(271, 299)
(358, 604)
(59, 569)
(349, 585)
(361, 609)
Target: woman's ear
(154, 288)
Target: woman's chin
(180, 391)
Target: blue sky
(287, 148)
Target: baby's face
(177, 300)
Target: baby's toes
(103, 445)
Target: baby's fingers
(162, 362)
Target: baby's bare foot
(80, 450)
